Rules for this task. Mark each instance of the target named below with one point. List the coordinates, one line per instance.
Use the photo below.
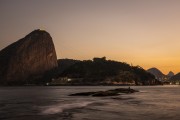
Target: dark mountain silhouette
(27, 60)
(175, 77)
(102, 71)
(170, 74)
(157, 73)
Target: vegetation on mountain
(102, 71)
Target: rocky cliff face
(28, 59)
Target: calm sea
(53, 103)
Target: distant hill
(175, 77)
(170, 74)
(101, 71)
(157, 73)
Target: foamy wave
(142, 91)
(60, 108)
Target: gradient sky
(141, 32)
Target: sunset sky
(141, 32)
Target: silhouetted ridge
(175, 77)
(170, 74)
(101, 71)
(157, 73)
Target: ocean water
(53, 103)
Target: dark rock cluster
(113, 92)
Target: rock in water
(28, 60)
